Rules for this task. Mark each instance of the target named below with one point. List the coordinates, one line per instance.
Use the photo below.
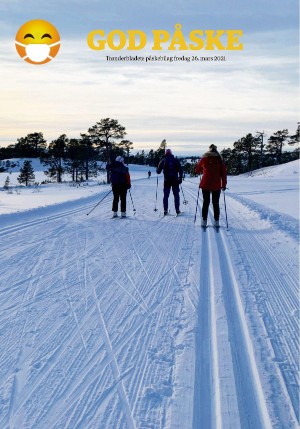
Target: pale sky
(190, 104)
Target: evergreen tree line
(248, 153)
(81, 158)
(84, 157)
(251, 152)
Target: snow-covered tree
(7, 183)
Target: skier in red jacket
(214, 178)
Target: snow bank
(276, 188)
(284, 170)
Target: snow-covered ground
(150, 322)
(22, 198)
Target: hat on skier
(120, 159)
(213, 148)
(168, 152)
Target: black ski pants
(119, 192)
(167, 190)
(215, 201)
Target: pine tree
(74, 159)
(295, 138)
(125, 146)
(159, 153)
(151, 158)
(55, 157)
(104, 135)
(26, 173)
(276, 143)
(248, 147)
(233, 160)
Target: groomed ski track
(148, 322)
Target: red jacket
(214, 172)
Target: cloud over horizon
(190, 104)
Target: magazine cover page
(149, 214)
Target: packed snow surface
(150, 322)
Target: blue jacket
(119, 173)
(172, 170)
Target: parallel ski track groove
(253, 408)
(277, 305)
(202, 415)
(65, 213)
(282, 261)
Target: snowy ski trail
(150, 322)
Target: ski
(216, 228)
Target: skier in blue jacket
(172, 170)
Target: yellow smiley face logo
(37, 41)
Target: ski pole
(156, 193)
(225, 209)
(99, 202)
(196, 206)
(184, 200)
(132, 202)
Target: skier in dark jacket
(120, 182)
(172, 179)
(213, 180)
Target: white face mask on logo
(37, 52)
